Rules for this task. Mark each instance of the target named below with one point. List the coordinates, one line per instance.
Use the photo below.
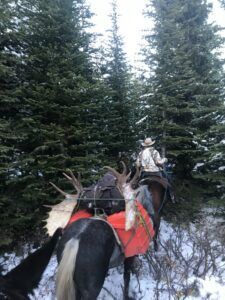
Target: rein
(163, 202)
(164, 198)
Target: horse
(18, 283)
(89, 246)
(158, 187)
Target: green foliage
(65, 106)
(48, 109)
(186, 82)
(117, 108)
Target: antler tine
(58, 189)
(121, 177)
(76, 183)
(68, 177)
(117, 174)
(124, 173)
(136, 175)
(128, 175)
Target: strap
(113, 229)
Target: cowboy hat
(148, 142)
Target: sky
(132, 21)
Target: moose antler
(76, 183)
(60, 213)
(121, 177)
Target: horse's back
(96, 243)
(90, 233)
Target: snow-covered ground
(190, 264)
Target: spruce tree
(10, 114)
(118, 104)
(187, 79)
(57, 106)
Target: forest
(67, 104)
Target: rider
(149, 160)
(150, 163)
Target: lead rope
(143, 222)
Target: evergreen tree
(118, 104)
(10, 81)
(187, 79)
(58, 106)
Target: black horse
(89, 247)
(20, 281)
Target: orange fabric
(135, 241)
(81, 214)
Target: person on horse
(149, 160)
(150, 164)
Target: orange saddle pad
(134, 241)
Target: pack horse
(90, 245)
(90, 241)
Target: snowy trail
(189, 265)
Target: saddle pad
(81, 214)
(134, 241)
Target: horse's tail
(65, 289)
(27, 275)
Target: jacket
(150, 160)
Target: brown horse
(157, 186)
(158, 189)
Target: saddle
(161, 180)
(102, 195)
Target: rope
(113, 229)
(103, 199)
(144, 223)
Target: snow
(189, 264)
(141, 120)
(211, 289)
(198, 165)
